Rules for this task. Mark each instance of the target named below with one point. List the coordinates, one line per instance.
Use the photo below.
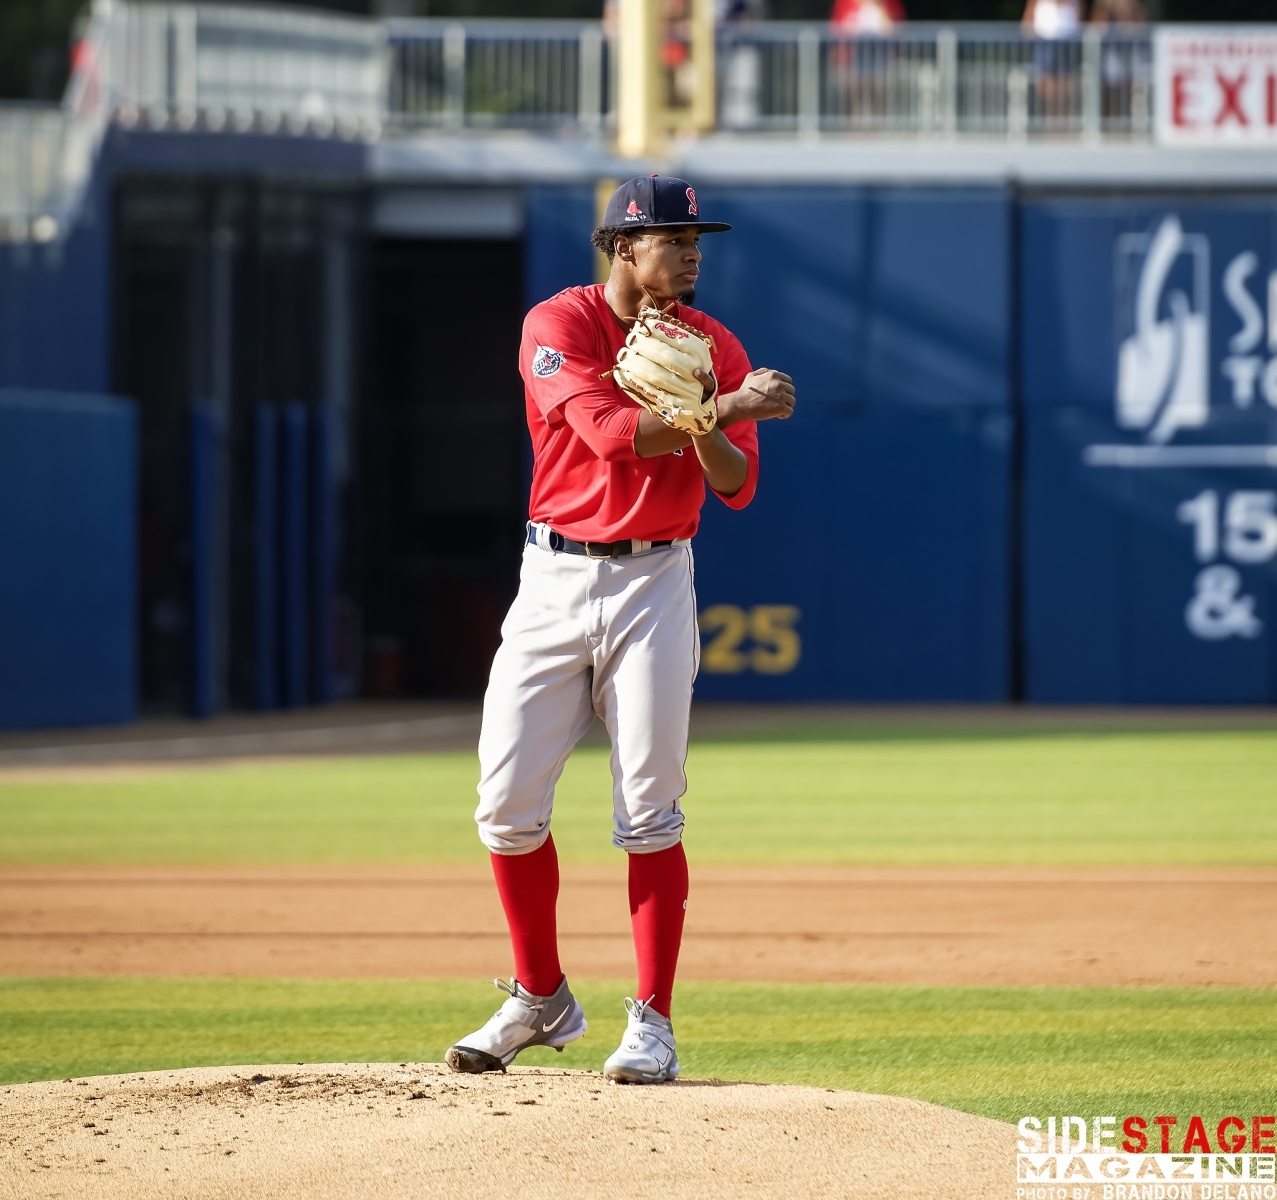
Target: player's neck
(625, 297)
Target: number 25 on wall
(762, 639)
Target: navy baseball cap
(653, 201)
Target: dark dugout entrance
(233, 331)
(332, 475)
(443, 462)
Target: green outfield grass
(803, 795)
(1003, 1052)
(1152, 797)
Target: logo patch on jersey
(692, 210)
(546, 362)
(634, 213)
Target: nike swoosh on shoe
(548, 1028)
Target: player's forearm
(653, 437)
(729, 409)
(726, 468)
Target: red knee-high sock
(658, 903)
(529, 889)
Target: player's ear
(623, 248)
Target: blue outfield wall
(557, 253)
(67, 559)
(55, 305)
(873, 563)
(1150, 392)
(881, 516)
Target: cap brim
(703, 226)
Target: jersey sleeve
(560, 360)
(731, 365)
(561, 365)
(607, 424)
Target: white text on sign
(1215, 86)
(1247, 534)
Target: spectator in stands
(873, 17)
(741, 64)
(1124, 65)
(856, 74)
(1056, 24)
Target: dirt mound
(412, 1130)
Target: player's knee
(652, 831)
(504, 839)
(506, 827)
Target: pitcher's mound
(395, 1130)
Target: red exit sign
(1216, 85)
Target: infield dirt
(410, 1130)
(934, 925)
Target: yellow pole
(703, 100)
(603, 190)
(639, 102)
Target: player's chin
(687, 295)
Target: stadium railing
(979, 80)
(186, 66)
(231, 68)
(983, 80)
(30, 151)
(499, 74)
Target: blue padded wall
(1129, 595)
(67, 562)
(55, 306)
(880, 531)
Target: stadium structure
(262, 275)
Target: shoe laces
(638, 1008)
(642, 1013)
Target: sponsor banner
(1163, 385)
(1150, 386)
(1215, 86)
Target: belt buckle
(611, 550)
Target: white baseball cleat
(646, 1053)
(522, 1021)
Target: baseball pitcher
(635, 402)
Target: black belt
(563, 545)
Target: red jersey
(587, 482)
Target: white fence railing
(183, 66)
(986, 80)
(490, 73)
(218, 66)
(983, 80)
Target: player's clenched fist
(763, 394)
